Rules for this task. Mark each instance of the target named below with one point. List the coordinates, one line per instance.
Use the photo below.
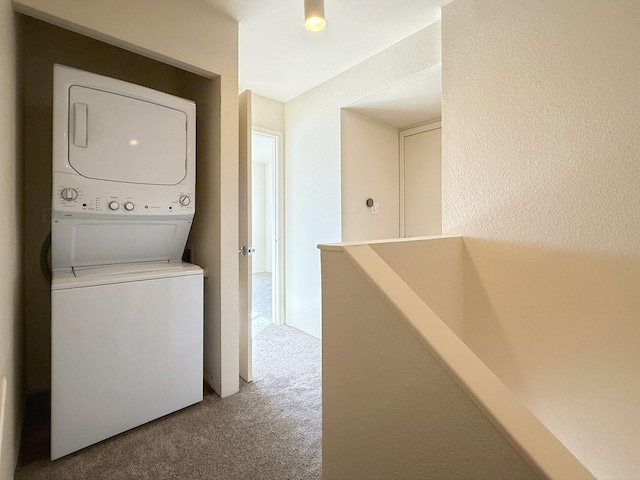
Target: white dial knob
(129, 206)
(184, 200)
(69, 194)
(114, 205)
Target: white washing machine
(126, 349)
(127, 313)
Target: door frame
(245, 336)
(425, 127)
(277, 245)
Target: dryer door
(123, 139)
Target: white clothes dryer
(124, 171)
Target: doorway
(266, 230)
(420, 181)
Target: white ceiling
(280, 59)
(414, 100)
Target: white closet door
(422, 183)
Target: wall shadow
(562, 330)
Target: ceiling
(414, 100)
(280, 59)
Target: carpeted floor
(261, 293)
(270, 430)
(261, 300)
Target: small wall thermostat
(369, 202)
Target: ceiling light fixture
(314, 15)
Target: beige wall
(10, 243)
(433, 269)
(540, 113)
(312, 174)
(389, 407)
(390, 410)
(421, 181)
(389, 365)
(369, 169)
(192, 36)
(267, 113)
(186, 33)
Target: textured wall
(312, 177)
(10, 227)
(541, 109)
(540, 113)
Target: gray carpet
(270, 430)
(261, 294)
(261, 301)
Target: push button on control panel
(129, 206)
(114, 205)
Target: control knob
(184, 200)
(114, 205)
(69, 194)
(129, 206)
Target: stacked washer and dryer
(127, 313)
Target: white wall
(269, 216)
(541, 109)
(369, 169)
(312, 177)
(267, 113)
(268, 117)
(259, 218)
(262, 217)
(192, 36)
(10, 276)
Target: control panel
(75, 195)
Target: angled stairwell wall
(403, 396)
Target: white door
(245, 250)
(421, 180)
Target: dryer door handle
(80, 124)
